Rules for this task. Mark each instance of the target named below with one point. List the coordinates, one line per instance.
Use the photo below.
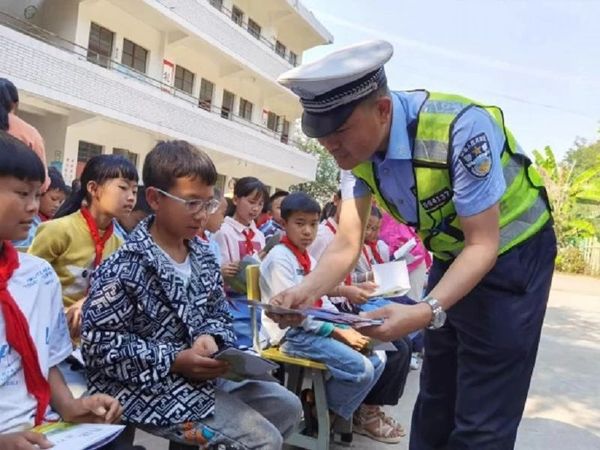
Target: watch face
(439, 319)
(439, 315)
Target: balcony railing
(108, 63)
(245, 24)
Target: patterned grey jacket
(139, 315)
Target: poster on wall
(168, 75)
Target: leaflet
(341, 318)
(79, 436)
(246, 366)
(391, 278)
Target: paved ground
(563, 408)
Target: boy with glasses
(156, 314)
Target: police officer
(450, 168)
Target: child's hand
(24, 440)
(205, 345)
(99, 408)
(369, 286)
(230, 270)
(357, 294)
(351, 337)
(73, 313)
(194, 366)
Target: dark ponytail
(9, 96)
(100, 169)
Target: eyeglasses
(195, 206)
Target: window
(245, 109)
(285, 131)
(293, 58)
(217, 4)
(207, 90)
(100, 45)
(280, 49)
(272, 121)
(85, 151)
(131, 156)
(184, 79)
(254, 28)
(220, 184)
(227, 105)
(134, 56)
(237, 15)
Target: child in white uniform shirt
(237, 238)
(34, 337)
(352, 373)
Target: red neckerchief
(18, 335)
(99, 242)
(376, 255)
(303, 259)
(43, 217)
(366, 255)
(203, 236)
(248, 235)
(329, 225)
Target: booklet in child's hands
(237, 283)
(391, 279)
(79, 436)
(246, 366)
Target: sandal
(373, 423)
(390, 420)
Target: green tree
(568, 190)
(584, 155)
(327, 178)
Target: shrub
(570, 259)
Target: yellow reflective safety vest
(524, 207)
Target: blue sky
(539, 60)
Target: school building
(115, 76)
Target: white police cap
(332, 86)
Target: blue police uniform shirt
(478, 180)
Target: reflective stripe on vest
(523, 206)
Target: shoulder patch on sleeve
(476, 156)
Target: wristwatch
(439, 315)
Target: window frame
(280, 48)
(206, 103)
(136, 49)
(238, 19)
(254, 28)
(272, 116)
(227, 111)
(96, 53)
(182, 85)
(246, 108)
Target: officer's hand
(398, 321)
(293, 298)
